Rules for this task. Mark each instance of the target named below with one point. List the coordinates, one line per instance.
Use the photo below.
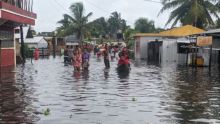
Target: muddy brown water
(147, 95)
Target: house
(71, 40)
(36, 42)
(30, 40)
(12, 14)
(166, 46)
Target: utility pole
(22, 44)
(54, 46)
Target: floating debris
(47, 112)
(134, 99)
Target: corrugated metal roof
(175, 32)
(214, 31)
(34, 40)
(147, 34)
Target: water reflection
(154, 94)
(106, 73)
(77, 74)
(15, 103)
(123, 75)
(193, 94)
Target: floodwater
(47, 92)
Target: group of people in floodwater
(79, 56)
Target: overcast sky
(51, 11)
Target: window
(182, 47)
(7, 38)
(7, 43)
(17, 31)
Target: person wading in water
(77, 60)
(106, 56)
(66, 57)
(85, 59)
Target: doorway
(154, 52)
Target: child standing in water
(85, 59)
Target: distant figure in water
(95, 50)
(124, 57)
(66, 57)
(106, 56)
(70, 53)
(36, 54)
(85, 59)
(112, 53)
(77, 60)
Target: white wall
(144, 45)
(169, 51)
(32, 45)
(42, 43)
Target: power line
(97, 6)
(153, 1)
(61, 5)
(102, 9)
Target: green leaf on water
(47, 112)
(134, 99)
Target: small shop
(207, 49)
(165, 47)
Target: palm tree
(77, 21)
(198, 13)
(66, 27)
(116, 23)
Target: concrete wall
(169, 51)
(216, 43)
(8, 57)
(144, 45)
(31, 45)
(215, 53)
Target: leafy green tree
(77, 22)
(79, 19)
(128, 34)
(98, 27)
(66, 27)
(143, 25)
(198, 13)
(116, 23)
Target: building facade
(164, 47)
(13, 13)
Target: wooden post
(187, 56)
(196, 50)
(210, 58)
(54, 46)
(22, 44)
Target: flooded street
(148, 95)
